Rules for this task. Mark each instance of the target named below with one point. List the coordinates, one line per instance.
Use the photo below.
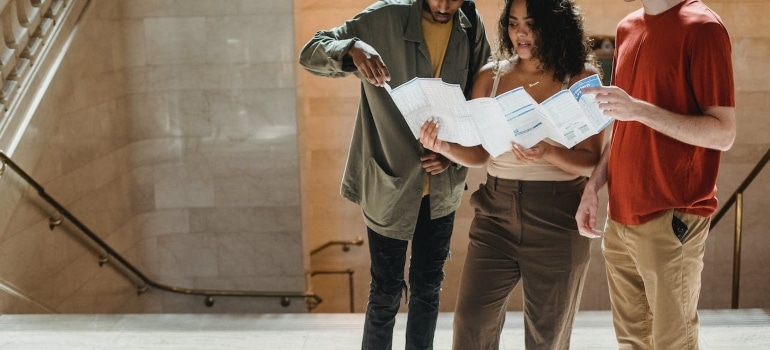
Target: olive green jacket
(383, 173)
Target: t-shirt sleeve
(711, 66)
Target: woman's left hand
(532, 154)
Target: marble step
(745, 329)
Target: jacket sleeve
(325, 53)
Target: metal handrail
(207, 293)
(345, 248)
(737, 199)
(345, 245)
(349, 272)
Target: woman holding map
(524, 225)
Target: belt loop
(553, 188)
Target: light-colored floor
(745, 329)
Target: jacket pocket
(380, 193)
(458, 176)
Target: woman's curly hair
(560, 42)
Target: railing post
(737, 249)
(350, 290)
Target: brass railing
(349, 272)
(345, 245)
(109, 254)
(358, 241)
(737, 199)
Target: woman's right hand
(429, 137)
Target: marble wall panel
(162, 111)
(249, 38)
(172, 8)
(169, 40)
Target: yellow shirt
(436, 37)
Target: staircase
(745, 329)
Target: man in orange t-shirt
(674, 108)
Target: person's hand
(434, 163)
(615, 103)
(586, 214)
(429, 137)
(369, 63)
(532, 154)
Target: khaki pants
(655, 280)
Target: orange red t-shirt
(679, 60)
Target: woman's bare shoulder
(484, 80)
(588, 70)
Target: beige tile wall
(326, 113)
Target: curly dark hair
(560, 42)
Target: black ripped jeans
(430, 248)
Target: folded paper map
(568, 117)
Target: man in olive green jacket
(405, 192)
